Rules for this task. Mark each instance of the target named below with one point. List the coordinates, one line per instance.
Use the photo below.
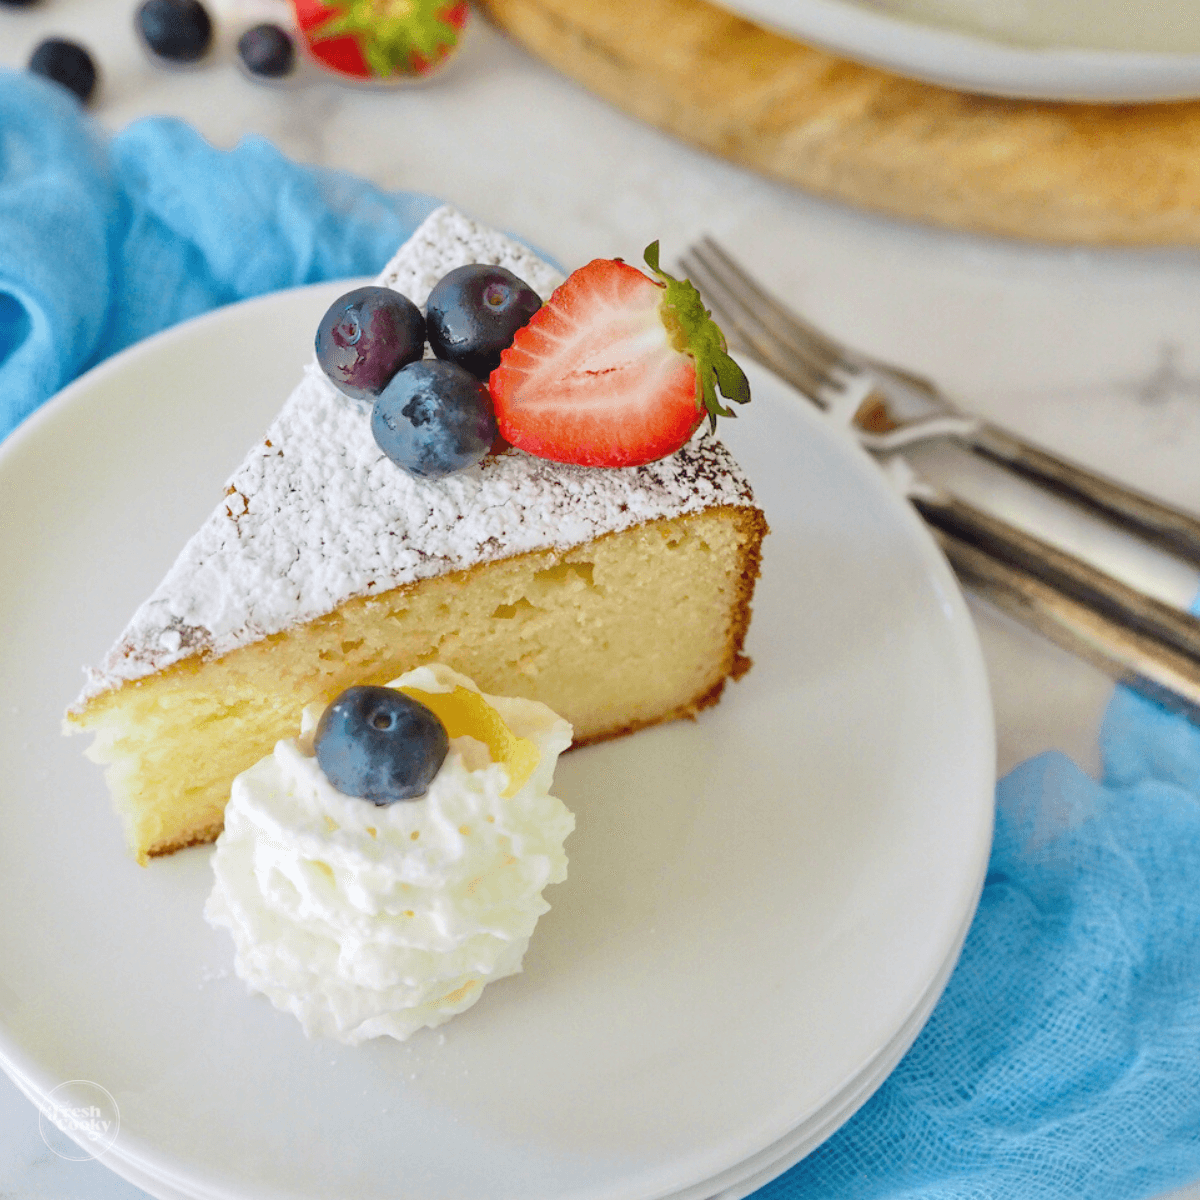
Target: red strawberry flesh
(594, 378)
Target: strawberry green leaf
(693, 331)
(731, 379)
(391, 32)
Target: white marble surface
(1094, 352)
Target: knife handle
(1066, 573)
(1137, 659)
(1128, 509)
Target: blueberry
(380, 745)
(268, 51)
(67, 63)
(434, 418)
(366, 336)
(473, 314)
(178, 30)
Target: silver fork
(1137, 639)
(820, 366)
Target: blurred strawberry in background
(381, 39)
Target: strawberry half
(616, 369)
(381, 39)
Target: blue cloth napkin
(104, 241)
(1064, 1058)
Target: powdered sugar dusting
(317, 515)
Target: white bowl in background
(1099, 51)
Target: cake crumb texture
(635, 628)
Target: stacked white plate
(763, 905)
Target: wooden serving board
(1083, 173)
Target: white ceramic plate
(761, 904)
(965, 44)
(736, 1182)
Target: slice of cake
(617, 597)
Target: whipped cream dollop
(363, 920)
